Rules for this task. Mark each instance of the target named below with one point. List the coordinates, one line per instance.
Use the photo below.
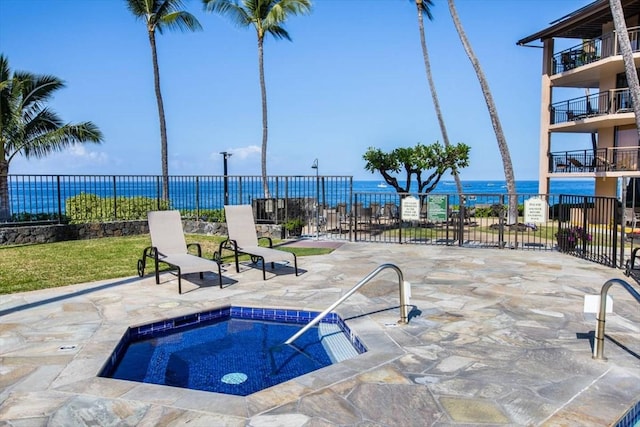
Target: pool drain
(234, 378)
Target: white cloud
(80, 151)
(241, 153)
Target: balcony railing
(593, 50)
(601, 160)
(613, 101)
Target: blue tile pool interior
(631, 418)
(286, 362)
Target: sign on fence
(410, 209)
(437, 208)
(535, 211)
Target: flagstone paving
(496, 337)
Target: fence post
(115, 203)
(461, 218)
(198, 197)
(275, 201)
(351, 206)
(59, 200)
(353, 221)
(501, 242)
(584, 225)
(158, 192)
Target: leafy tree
(495, 119)
(160, 15)
(417, 161)
(423, 8)
(28, 127)
(267, 17)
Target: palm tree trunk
(163, 124)
(495, 120)
(432, 87)
(265, 128)
(627, 56)
(5, 209)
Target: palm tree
(267, 17)
(158, 15)
(627, 57)
(423, 10)
(495, 120)
(28, 126)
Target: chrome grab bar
(404, 300)
(598, 344)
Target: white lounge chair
(169, 246)
(243, 239)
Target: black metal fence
(329, 206)
(585, 226)
(95, 198)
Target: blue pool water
(234, 350)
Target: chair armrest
(149, 251)
(631, 262)
(197, 246)
(267, 238)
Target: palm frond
(61, 138)
(180, 20)
(140, 8)
(37, 88)
(295, 7)
(277, 32)
(237, 14)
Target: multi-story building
(587, 124)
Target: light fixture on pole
(225, 156)
(315, 166)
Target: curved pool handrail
(598, 344)
(404, 301)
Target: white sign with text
(410, 209)
(535, 211)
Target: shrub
(86, 207)
(573, 235)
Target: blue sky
(352, 78)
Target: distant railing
(99, 198)
(614, 159)
(593, 50)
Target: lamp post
(225, 156)
(315, 166)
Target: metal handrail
(598, 345)
(404, 300)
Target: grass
(50, 265)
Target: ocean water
(572, 187)
(46, 196)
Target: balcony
(624, 160)
(615, 101)
(593, 50)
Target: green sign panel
(437, 208)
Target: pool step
(335, 342)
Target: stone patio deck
(497, 337)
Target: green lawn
(32, 267)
